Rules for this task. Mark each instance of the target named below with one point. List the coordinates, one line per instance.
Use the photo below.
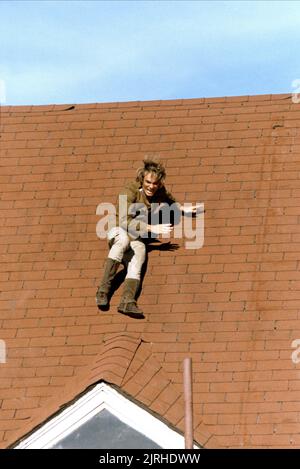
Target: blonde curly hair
(153, 166)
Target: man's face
(150, 184)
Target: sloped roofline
(100, 397)
(126, 362)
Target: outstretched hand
(193, 209)
(164, 228)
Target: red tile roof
(231, 305)
(127, 362)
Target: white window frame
(94, 401)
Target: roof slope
(126, 362)
(231, 305)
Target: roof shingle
(231, 305)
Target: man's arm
(164, 228)
(186, 209)
(192, 209)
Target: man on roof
(134, 225)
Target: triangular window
(104, 419)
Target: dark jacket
(135, 195)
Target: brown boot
(128, 304)
(110, 270)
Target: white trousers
(120, 244)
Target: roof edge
(144, 103)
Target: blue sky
(102, 51)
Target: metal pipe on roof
(188, 403)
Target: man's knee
(120, 239)
(122, 243)
(139, 250)
(118, 242)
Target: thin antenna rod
(188, 403)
